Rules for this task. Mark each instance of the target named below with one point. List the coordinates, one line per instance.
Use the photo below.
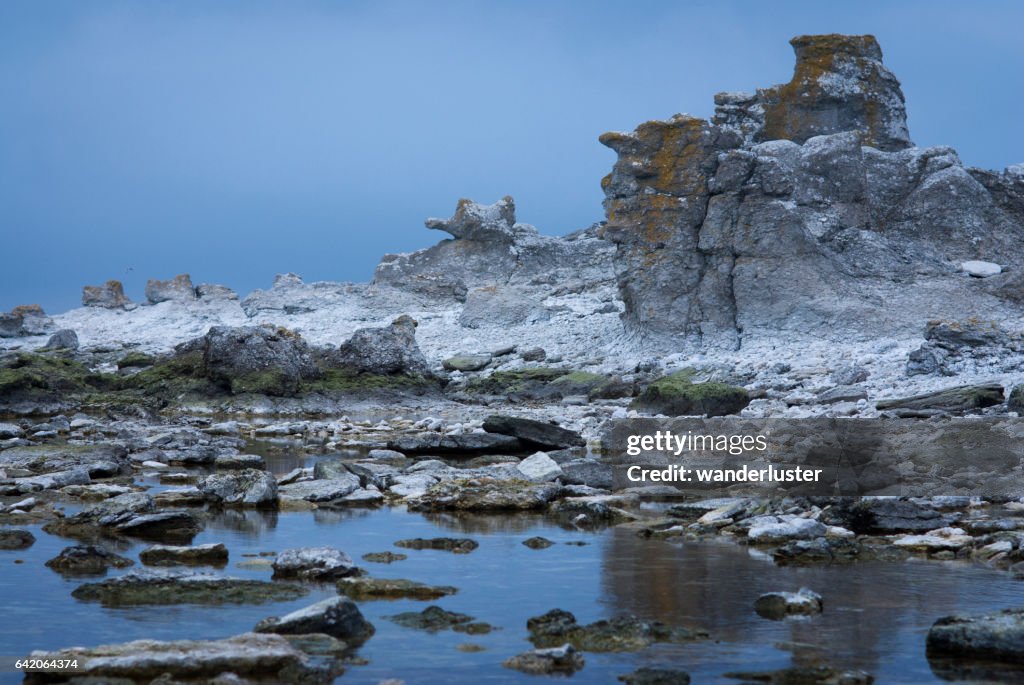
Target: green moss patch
(678, 395)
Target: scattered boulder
(246, 488)
(458, 444)
(335, 616)
(486, 494)
(533, 354)
(536, 433)
(314, 563)
(776, 529)
(454, 545)
(564, 659)
(384, 351)
(384, 557)
(232, 462)
(994, 637)
(467, 362)
(110, 295)
(938, 540)
(152, 587)
(850, 374)
(678, 395)
(434, 619)
(257, 359)
(778, 605)
(177, 289)
(14, 538)
(86, 560)
(214, 554)
(885, 516)
(64, 339)
(804, 675)
(362, 589)
(212, 291)
(619, 634)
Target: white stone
(539, 468)
(785, 528)
(980, 269)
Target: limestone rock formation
(802, 210)
(26, 319)
(110, 295)
(385, 351)
(177, 289)
(256, 359)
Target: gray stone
(995, 637)
(214, 554)
(328, 490)
(86, 560)
(64, 339)
(486, 494)
(467, 362)
(212, 291)
(110, 295)
(656, 676)
(980, 269)
(565, 660)
(778, 605)
(258, 359)
(335, 616)
(387, 350)
(231, 462)
(533, 354)
(10, 430)
(177, 289)
(247, 488)
(13, 538)
(588, 472)
(363, 589)
(537, 433)
(843, 393)
(314, 563)
(161, 587)
(851, 374)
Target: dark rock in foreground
(167, 587)
(486, 494)
(362, 589)
(961, 399)
(434, 619)
(677, 395)
(778, 605)
(335, 616)
(536, 433)
(656, 676)
(256, 359)
(805, 675)
(995, 637)
(86, 560)
(14, 538)
(564, 660)
(314, 563)
(199, 555)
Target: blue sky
(236, 140)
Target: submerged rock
(455, 545)
(778, 605)
(961, 399)
(14, 538)
(656, 676)
(336, 616)
(384, 557)
(362, 589)
(26, 319)
(486, 494)
(314, 563)
(86, 560)
(246, 488)
(537, 543)
(805, 675)
(434, 619)
(178, 587)
(564, 659)
(198, 555)
(619, 634)
(996, 637)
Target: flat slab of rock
(168, 587)
(996, 637)
(248, 655)
(336, 616)
(434, 619)
(171, 555)
(454, 545)
(465, 443)
(314, 563)
(959, 399)
(563, 659)
(773, 529)
(321, 490)
(980, 269)
(538, 433)
(247, 487)
(619, 634)
(362, 589)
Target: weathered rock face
(385, 351)
(490, 248)
(177, 289)
(802, 210)
(110, 295)
(26, 319)
(257, 359)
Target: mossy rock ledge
(678, 395)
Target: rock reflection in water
(249, 523)
(876, 614)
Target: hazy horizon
(237, 140)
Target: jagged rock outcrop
(110, 295)
(26, 319)
(258, 359)
(490, 248)
(177, 289)
(802, 209)
(386, 350)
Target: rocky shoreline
(768, 263)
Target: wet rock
(14, 538)
(454, 545)
(805, 675)
(179, 587)
(230, 462)
(383, 351)
(131, 514)
(362, 589)
(459, 444)
(434, 619)
(110, 295)
(322, 491)
(656, 676)
(259, 657)
(775, 529)
(564, 660)
(177, 289)
(214, 554)
(593, 510)
(64, 339)
(257, 359)
(467, 362)
(384, 557)
(86, 560)
(26, 319)
(537, 433)
(593, 474)
(958, 400)
(778, 605)
(246, 488)
(539, 468)
(884, 516)
(677, 395)
(935, 540)
(996, 637)
(619, 634)
(335, 616)
(537, 543)
(486, 494)
(314, 563)
(10, 430)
